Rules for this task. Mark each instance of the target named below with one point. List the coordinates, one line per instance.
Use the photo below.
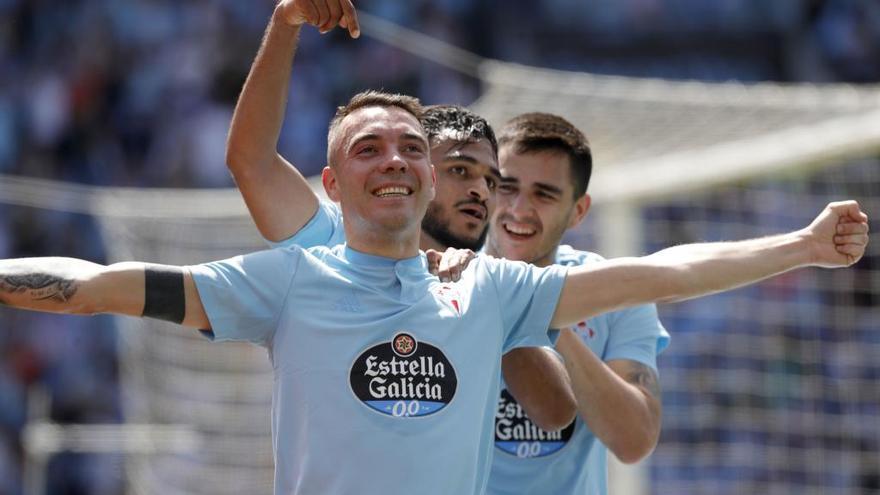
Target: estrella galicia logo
(403, 378)
(517, 435)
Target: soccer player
(546, 165)
(462, 149)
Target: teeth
(392, 191)
(519, 230)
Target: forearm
(59, 285)
(700, 269)
(68, 285)
(625, 417)
(539, 382)
(676, 274)
(259, 113)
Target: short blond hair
(369, 98)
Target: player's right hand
(323, 14)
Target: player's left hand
(839, 235)
(449, 265)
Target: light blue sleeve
(528, 296)
(323, 229)
(636, 334)
(244, 296)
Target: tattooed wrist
(39, 286)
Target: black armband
(164, 296)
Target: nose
(479, 190)
(520, 206)
(395, 163)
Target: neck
(385, 244)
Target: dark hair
(369, 98)
(535, 132)
(466, 125)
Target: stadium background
(767, 390)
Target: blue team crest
(403, 378)
(517, 435)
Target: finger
(323, 13)
(859, 239)
(852, 210)
(855, 251)
(433, 261)
(335, 14)
(852, 228)
(349, 16)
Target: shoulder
(569, 256)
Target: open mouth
(519, 231)
(392, 192)
(474, 211)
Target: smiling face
(535, 205)
(381, 176)
(467, 174)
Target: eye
(458, 170)
(504, 188)
(413, 148)
(546, 197)
(367, 149)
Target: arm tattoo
(40, 287)
(645, 377)
(165, 298)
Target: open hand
(323, 14)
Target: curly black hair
(466, 125)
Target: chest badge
(403, 378)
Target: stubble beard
(436, 225)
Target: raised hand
(323, 14)
(839, 235)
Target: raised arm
(277, 195)
(67, 285)
(836, 238)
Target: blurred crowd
(140, 93)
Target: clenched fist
(839, 235)
(323, 14)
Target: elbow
(633, 450)
(632, 455)
(555, 416)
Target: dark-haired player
(546, 164)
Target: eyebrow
(472, 161)
(408, 136)
(548, 188)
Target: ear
(331, 187)
(433, 182)
(581, 207)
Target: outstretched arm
(67, 285)
(277, 195)
(836, 238)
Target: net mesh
(774, 388)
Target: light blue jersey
(529, 460)
(385, 379)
